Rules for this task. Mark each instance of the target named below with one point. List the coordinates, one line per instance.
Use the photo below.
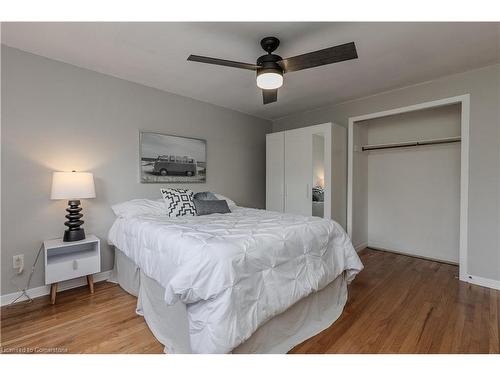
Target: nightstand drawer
(72, 268)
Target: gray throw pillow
(205, 196)
(207, 207)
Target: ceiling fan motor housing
(269, 64)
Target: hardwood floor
(398, 304)
(79, 322)
(401, 304)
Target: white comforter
(235, 271)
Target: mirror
(318, 178)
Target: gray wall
(360, 190)
(484, 164)
(56, 116)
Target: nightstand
(69, 260)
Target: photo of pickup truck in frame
(171, 158)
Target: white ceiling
(391, 55)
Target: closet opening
(408, 181)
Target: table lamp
(73, 186)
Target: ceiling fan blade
(322, 57)
(270, 96)
(232, 64)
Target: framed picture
(170, 158)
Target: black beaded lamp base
(74, 235)
(74, 232)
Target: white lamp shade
(72, 185)
(269, 81)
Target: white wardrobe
(306, 171)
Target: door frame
(464, 101)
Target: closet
(406, 183)
(306, 171)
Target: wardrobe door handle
(307, 192)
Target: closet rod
(411, 144)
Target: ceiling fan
(270, 68)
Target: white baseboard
(45, 289)
(481, 281)
(360, 247)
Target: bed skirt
(169, 324)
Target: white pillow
(136, 207)
(179, 202)
(230, 203)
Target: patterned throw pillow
(179, 202)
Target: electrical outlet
(18, 262)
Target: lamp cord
(24, 291)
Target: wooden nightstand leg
(53, 291)
(90, 281)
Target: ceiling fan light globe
(269, 80)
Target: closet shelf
(424, 142)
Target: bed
(249, 281)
